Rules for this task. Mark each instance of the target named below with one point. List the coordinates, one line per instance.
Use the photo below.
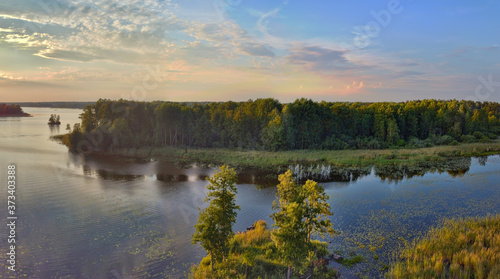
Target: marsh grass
(460, 248)
(280, 160)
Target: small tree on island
(300, 212)
(54, 120)
(214, 226)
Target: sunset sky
(218, 50)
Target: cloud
(256, 49)
(67, 55)
(106, 27)
(197, 51)
(319, 59)
(230, 38)
(354, 85)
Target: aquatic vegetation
(460, 248)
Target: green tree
(287, 190)
(89, 119)
(289, 233)
(317, 209)
(214, 226)
(301, 211)
(273, 134)
(207, 233)
(54, 119)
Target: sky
(219, 50)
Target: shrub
(468, 139)
(401, 143)
(492, 136)
(485, 139)
(428, 143)
(415, 142)
(478, 135)
(444, 140)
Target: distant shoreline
(16, 115)
(69, 105)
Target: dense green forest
(11, 109)
(266, 124)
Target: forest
(11, 109)
(267, 124)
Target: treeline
(76, 105)
(266, 124)
(8, 109)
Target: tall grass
(461, 248)
(283, 159)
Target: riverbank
(279, 160)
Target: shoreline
(16, 115)
(279, 160)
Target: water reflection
(482, 160)
(127, 169)
(54, 130)
(453, 166)
(109, 175)
(174, 178)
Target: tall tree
(207, 233)
(301, 211)
(289, 233)
(317, 209)
(214, 226)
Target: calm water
(106, 218)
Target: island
(324, 137)
(54, 120)
(12, 110)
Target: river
(109, 218)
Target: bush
(485, 139)
(492, 136)
(415, 142)
(428, 142)
(478, 135)
(445, 140)
(401, 143)
(468, 139)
